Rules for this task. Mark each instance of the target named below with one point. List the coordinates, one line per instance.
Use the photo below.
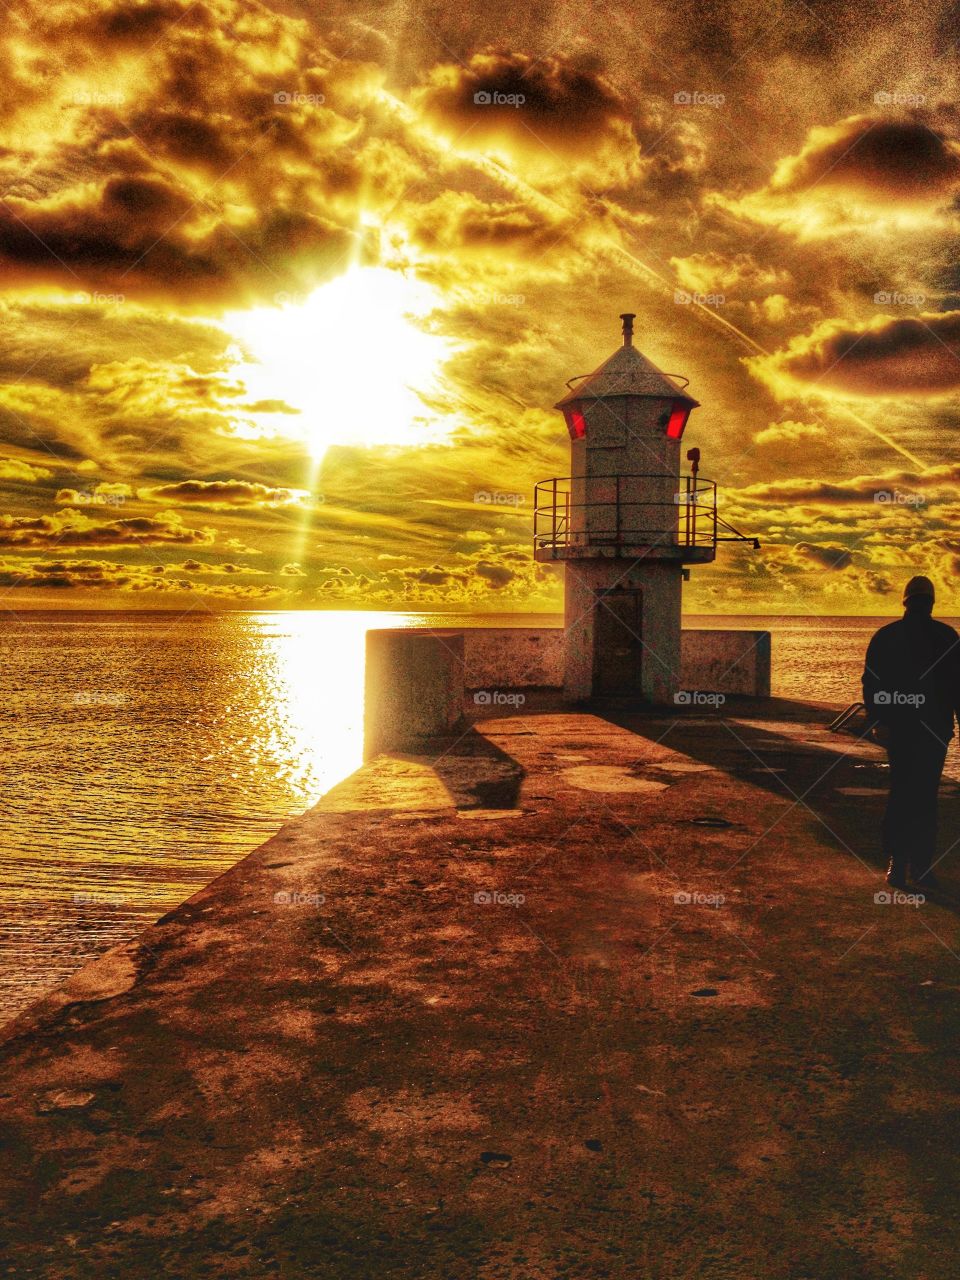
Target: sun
(354, 361)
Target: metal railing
(856, 720)
(635, 510)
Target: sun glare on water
(350, 359)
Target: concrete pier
(558, 997)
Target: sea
(144, 753)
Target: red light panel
(679, 414)
(576, 424)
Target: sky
(289, 292)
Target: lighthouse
(626, 525)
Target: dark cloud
(168, 174)
(104, 575)
(916, 356)
(148, 236)
(890, 159)
(828, 556)
(559, 96)
(133, 22)
(229, 568)
(886, 491)
(222, 493)
(459, 220)
(560, 112)
(186, 137)
(434, 577)
(497, 575)
(96, 574)
(75, 529)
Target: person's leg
(929, 760)
(895, 830)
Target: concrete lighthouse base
(622, 624)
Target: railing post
(617, 530)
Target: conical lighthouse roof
(626, 373)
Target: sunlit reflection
(317, 686)
(191, 739)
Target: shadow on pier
(476, 772)
(785, 747)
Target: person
(911, 690)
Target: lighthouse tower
(626, 525)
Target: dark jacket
(911, 678)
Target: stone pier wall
(416, 680)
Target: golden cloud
(106, 576)
(96, 574)
(26, 472)
(460, 220)
(191, 172)
(224, 493)
(149, 235)
(863, 174)
(944, 477)
(824, 555)
(884, 357)
(229, 568)
(790, 432)
(720, 273)
(104, 494)
(563, 119)
(71, 528)
(879, 159)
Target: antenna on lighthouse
(628, 318)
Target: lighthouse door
(617, 643)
